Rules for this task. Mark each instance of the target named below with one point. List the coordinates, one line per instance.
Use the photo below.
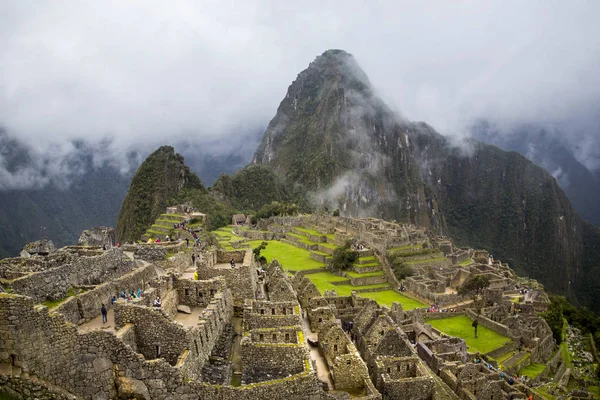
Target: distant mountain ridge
(545, 149)
(335, 137)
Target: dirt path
(189, 320)
(96, 323)
(315, 354)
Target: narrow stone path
(315, 354)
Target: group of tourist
(183, 226)
(157, 302)
(509, 379)
(436, 308)
(128, 296)
(357, 247)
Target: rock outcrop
(98, 236)
(41, 247)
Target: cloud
(134, 75)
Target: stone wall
(225, 256)
(169, 303)
(242, 279)
(53, 284)
(261, 235)
(127, 335)
(272, 335)
(261, 362)
(198, 293)
(488, 323)
(420, 388)
(85, 364)
(23, 388)
(155, 251)
(156, 335)
(86, 306)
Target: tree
(336, 212)
(343, 257)
(474, 288)
(555, 319)
(399, 267)
(256, 251)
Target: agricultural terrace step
(300, 241)
(423, 256)
(365, 268)
(368, 280)
(346, 282)
(160, 228)
(366, 253)
(320, 257)
(364, 275)
(367, 260)
(308, 232)
(166, 222)
(300, 244)
(516, 359)
(172, 217)
(372, 288)
(439, 261)
(326, 248)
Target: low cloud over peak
(130, 75)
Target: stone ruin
(252, 333)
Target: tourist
(139, 293)
(104, 314)
(113, 300)
(104, 247)
(232, 263)
(187, 242)
(193, 259)
(195, 275)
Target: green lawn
(487, 339)
(532, 370)
(322, 280)
(289, 256)
(387, 297)
(293, 258)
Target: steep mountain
(254, 186)
(334, 136)
(545, 146)
(154, 186)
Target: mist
(103, 79)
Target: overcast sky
(150, 71)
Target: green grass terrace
(294, 259)
(487, 340)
